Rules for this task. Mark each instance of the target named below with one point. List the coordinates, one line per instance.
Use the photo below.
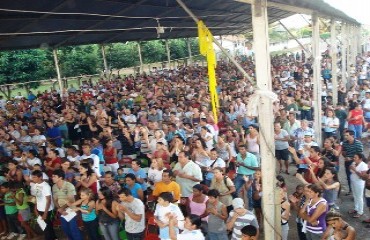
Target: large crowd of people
(141, 157)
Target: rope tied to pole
(254, 101)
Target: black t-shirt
(127, 149)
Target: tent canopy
(46, 23)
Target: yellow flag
(207, 50)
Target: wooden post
(106, 71)
(349, 51)
(59, 78)
(190, 60)
(344, 53)
(334, 60)
(263, 69)
(168, 54)
(316, 77)
(359, 42)
(140, 57)
(353, 44)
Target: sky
(357, 9)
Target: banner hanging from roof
(207, 50)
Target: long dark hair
(88, 167)
(108, 196)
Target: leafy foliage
(37, 64)
(25, 65)
(79, 60)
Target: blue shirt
(54, 132)
(134, 190)
(139, 174)
(250, 160)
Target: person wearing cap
(240, 217)
(304, 147)
(299, 134)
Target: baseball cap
(238, 203)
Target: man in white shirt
(132, 210)
(358, 168)
(129, 118)
(86, 150)
(240, 108)
(44, 204)
(73, 156)
(187, 174)
(209, 164)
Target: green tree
(120, 55)
(178, 48)
(79, 60)
(23, 66)
(153, 51)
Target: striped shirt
(321, 226)
(351, 149)
(247, 219)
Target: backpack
(234, 194)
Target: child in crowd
(161, 214)
(11, 212)
(86, 205)
(24, 212)
(120, 177)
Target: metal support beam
(190, 61)
(295, 38)
(344, 53)
(334, 60)
(168, 54)
(316, 77)
(263, 69)
(140, 57)
(223, 50)
(106, 70)
(59, 78)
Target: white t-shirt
(209, 143)
(190, 235)
(62, 153)
(136, 207)
(74, 159)
(361, 167)
(41, 191)
(38, 139)
(161, 212)
(33, 161)
(155, 175)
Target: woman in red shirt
(110, 156)
(53, 162)
(356, 119)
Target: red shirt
(53, 164)
(357, 115)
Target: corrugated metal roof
(54, 23)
